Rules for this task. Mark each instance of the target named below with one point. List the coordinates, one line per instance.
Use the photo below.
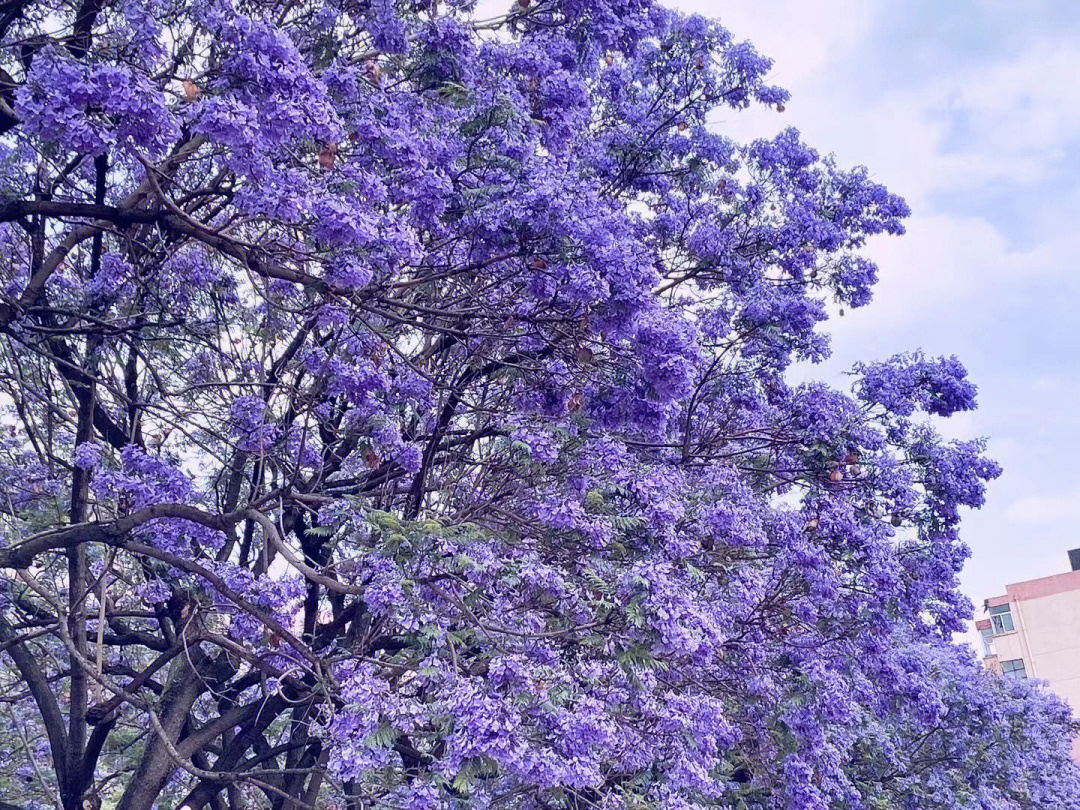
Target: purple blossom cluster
(88, 109)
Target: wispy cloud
(1044, 510)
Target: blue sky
(972, 112)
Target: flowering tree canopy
(395, 416)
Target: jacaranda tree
(395, 417)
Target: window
(987, 641)
(1001, 620)
(1014, 669)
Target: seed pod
(896, 519)
(523, 3)
(780, 108)
(609, 59)
(851, 457)
(374, 72)
(584, 355)
(191, 90)
(327, 155)
(836, 476)
(812, 524)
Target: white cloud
(801, 37)
(1017, 127)
(947, 262)
(1044, 510)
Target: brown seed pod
(584, 355)
(836, 476)
(327, 155)
(191, 90)
(374, 72)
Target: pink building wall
(1045, 614)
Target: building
(1033, 631)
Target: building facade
(1033, 631)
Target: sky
(971, 111)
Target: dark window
(1014, 669)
